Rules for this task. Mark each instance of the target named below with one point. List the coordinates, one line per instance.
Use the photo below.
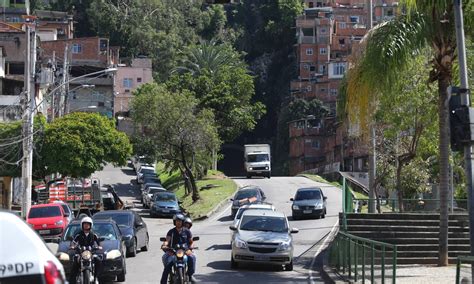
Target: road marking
(222, 213)
(310, 270)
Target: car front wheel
(233, 264)
(132, 250)
(289, 266)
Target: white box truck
(257, 160)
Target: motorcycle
(178, 273)
(85, 256)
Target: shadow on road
(126, 190)
(225, 218)
(219, 247)
(129, 172)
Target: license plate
(307, 211)
(261, 257)
(44, 232)
(166, 211)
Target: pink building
(128, 78)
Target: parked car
(67, 209)
(145, 171)
(24, 251)
(144, 165)
(49, 220)
(111, 242)
(263, 236)
(308, 202)
(164, 204)
(148, 179)
(246, 195)
(137, 161)
(134, 230)
(147, 194)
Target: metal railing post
(363, 263)
(394, 265)
(383, 264)
(356, 245)
(458, 270)
(372, 262)
(349, 258)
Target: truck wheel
(249, 176)
(269, 175)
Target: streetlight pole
(372, 145)
(465, 100)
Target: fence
(464, 269)
(410, 205)
(361, 259)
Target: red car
(49, 220)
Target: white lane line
(326, 240)
(222, 213)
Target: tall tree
(183, 135)
(80, 143)
(389, 47)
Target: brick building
(327, 32)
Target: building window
(308, 88)
(310, 5)
(127, 82)
(77, 48)
(390, 13)
(103, 44)
(322, 69)
(139, 80)
(339, 68)
(354, 19)
(333, 92)
(323, 50)
(306, 66)
(315, 144)
(323, 30)
(322, 90)
(342, 25)
(309, 51)
(15, 20)
(342, 41)
(312, 68)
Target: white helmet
(87, 220)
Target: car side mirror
(325, 197)
(231, 199)
(163, 239)
(195, 238)
(233, 228)
(292, 199)
(139, 224)
(294, 231)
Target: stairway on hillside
(416, 235)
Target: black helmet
(189, 221)
(178, 216)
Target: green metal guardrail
(410, 205)
(361, 259)
(464, 269)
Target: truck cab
(257, 160)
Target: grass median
(213, 189)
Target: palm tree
(387, 50)
(209, 57)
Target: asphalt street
(213, 255)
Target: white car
(243, 208)
(145, 170)
(24, 257)
(147, 194)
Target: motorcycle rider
(85, 237)
(178, 235)
(188, 222)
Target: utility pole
(64, 101)
(372, 144)
(27, 163)
(461, 48)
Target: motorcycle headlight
(59, 223)
(113, 254)
(63, 256)
(86, 255)
(180, 253)
(240, 243)
(284, 246)
(296, 207)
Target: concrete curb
(218, 206)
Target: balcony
(307, 39)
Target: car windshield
(255, 158)
(151, 179)
(245, 194)
(167, 197)
(123, 220)
(147, 171)
(308, 195)
(105, 231)
(65, 208)
(152, 190)
(263, 223)
(242, 210)
(44, 212)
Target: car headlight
(63, 256)
(113, 254)
(319, 206)
(250, 168)
(59, 223)
(86, 255)
(240, 243)
(285, 246)
(266, 168)
(296, 207)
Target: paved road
(214, 249)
